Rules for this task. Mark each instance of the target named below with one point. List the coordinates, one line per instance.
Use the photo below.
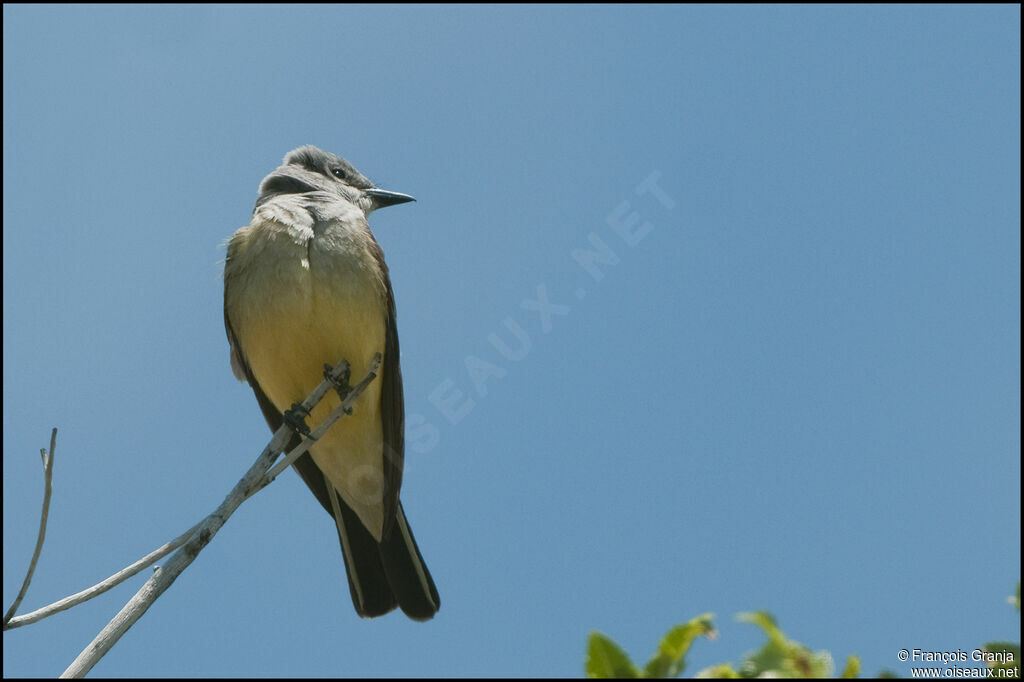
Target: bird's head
(311, 169)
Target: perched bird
(305, 284)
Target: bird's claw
(295, 418)
(340, 382)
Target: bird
(306, 285)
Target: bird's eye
(339, 173)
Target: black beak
(383, 198)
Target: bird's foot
(340, 382)
(295, 418)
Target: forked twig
(254, 479)
(101, 587)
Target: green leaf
(766, 622)
(670, 661)
(606, 659)
(781, 657)
(852, 668)
(772, 656)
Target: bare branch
(99, 588)
(48, 478)
(163, 577)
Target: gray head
(311, 169)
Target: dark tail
(382, 575)
(406, 571)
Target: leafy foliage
(606, 659)
(779, 657)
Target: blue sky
(794, 384)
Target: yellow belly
(294, 309)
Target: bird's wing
(392, 404)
